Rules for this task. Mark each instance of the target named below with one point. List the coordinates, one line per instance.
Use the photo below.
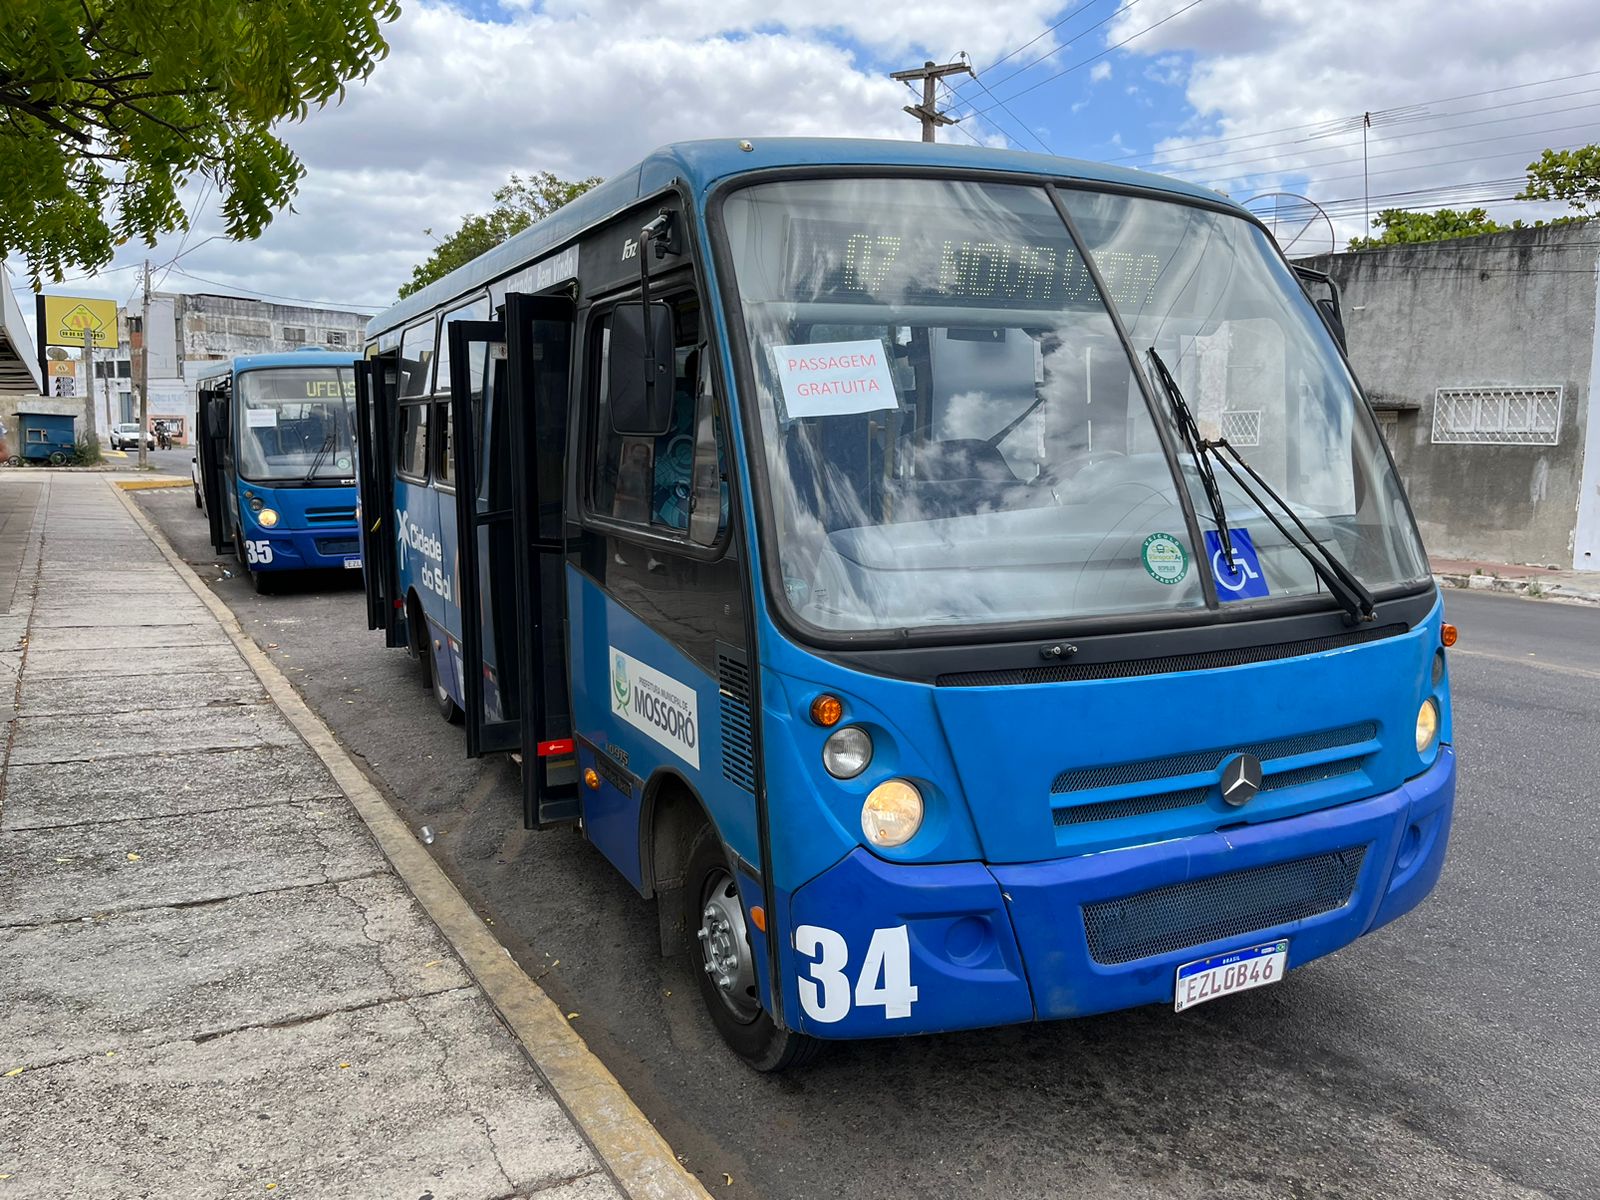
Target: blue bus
(275, 462)
(960, 586)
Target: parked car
(126, 436)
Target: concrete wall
(1507, 309)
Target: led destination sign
(830, 261)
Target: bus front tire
(717, 948)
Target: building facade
(1482, 358)
(190, 331)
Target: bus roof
(703, 164)
(313, 357)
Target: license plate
(352, 564)
(1225, 974)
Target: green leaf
(109, 107)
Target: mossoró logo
(619, 680)
(661, 707)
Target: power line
(1319, 124)
(1414, 166)
(1011, 53)
(1043, 145)
(273, 295)
(188, 227)
(1229, 156)
(1095, 57)
(1031, 63)
(1222, 170)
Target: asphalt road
(1451, 1054)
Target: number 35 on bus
(959, 586)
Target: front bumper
(324, 548)
(1098, 932)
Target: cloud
(578, 87)
(1280, 80)
(1099, 72)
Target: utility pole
(928, 112)
(1366, 202)
(91, 429)
(144, 372)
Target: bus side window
(416, 361)
(643, 480)
(411, 444)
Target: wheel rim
(724, 948)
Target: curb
(139, 485)
(637, 1156)
(1532, 589)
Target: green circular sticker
(1165, 559)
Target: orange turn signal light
(758, 917)
(826, 710)
(591, 778)
(1447, 634)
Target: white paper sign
(260, 418)
(657, 705)
(832, 378)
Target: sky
(1266, 100)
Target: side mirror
(639, 369)
(1324, 293)
(1330, 313)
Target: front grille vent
(330, 516)
(1088, 778)
(1199, 911)
(1132, 806)
(335, 546)
(1209, 660)
(738, 741)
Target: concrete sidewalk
(213, 982)
(1539, 583)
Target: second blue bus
(275, 462)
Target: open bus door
(375, 480)
(508, 386)
(209, 448)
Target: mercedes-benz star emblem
(1241, 779)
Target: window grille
(335, 337)
(1525, 416)
(1242, 428)
(294, 333)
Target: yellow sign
(68, 318)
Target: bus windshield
(295, 423)
(954, 433)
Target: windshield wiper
(1197, 447)
(1352, 594)
(322, 455)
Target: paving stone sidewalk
(212, 983)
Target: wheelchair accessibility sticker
(1246, 581)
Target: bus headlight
(268, 517)
(1427, 724)
(892, 814)
(847, 752)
